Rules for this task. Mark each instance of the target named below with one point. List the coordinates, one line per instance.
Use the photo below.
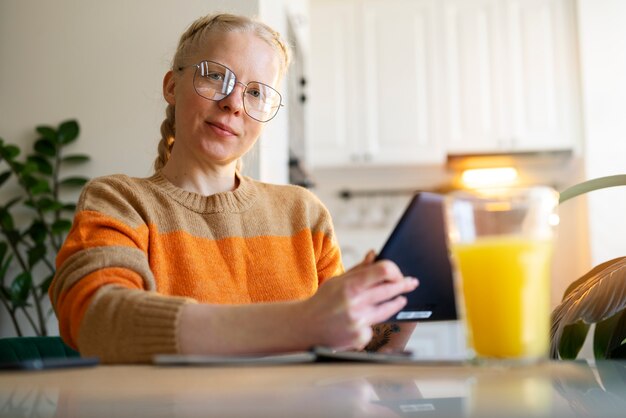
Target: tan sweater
(141, 248)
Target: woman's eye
(254, 93)
(215, 76)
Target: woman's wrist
(242, 329)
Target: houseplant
(34, 220)
(598, 297)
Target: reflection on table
(556, 389)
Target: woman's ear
(169, 88)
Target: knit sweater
(139, 249)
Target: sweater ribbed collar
(234, 201)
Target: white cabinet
(373, 83)
(407, 81)
(511, 75)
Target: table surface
(554, 389)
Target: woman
(199, 259)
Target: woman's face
(210, 133)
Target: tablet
(418, 245)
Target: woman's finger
(369, 257)
(374, 274)
(386, 291)
(384, 311)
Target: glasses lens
(213, 81)
(260, 101)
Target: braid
(168, 134)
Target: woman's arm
(340, 315)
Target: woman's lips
(221, 129)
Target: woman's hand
(341, 314)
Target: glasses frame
(245, 88)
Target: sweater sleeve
(328, 253)
(104, 292)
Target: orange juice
(505, 282)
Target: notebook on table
(315, 355)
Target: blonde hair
(188, 44)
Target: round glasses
(214, 81)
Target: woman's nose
(234, 101)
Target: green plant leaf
(3, 250)
(61, 226)
(4, 177)
(42, 164)
(47, 204)
(20, 288)
(40, 187)
(618, 336)
(6, 220)
(36, 254)
(36, 185)
(619, 352)
(13, 236)
(602, 335)
(68, 132)
(37, 231)
(48, 133)
(600, 296)
(45, 147)
(572, 340)
(29, 168)
(74, 181)
(591, 185)
(18, 167)
(69, 207)
(75, 159)
(9, 152)
(45, 285)
(6, 292)
(4, 267)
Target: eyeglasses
(214, 81)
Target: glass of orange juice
(501, 243)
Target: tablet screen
(418, 245)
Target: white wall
(603, 63)
(99, 62)
(102, 62)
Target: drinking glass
(501, 243)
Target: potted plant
(34, 221)
(598, 297)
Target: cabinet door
(399, 82)
(541, 80)
(334, 89)
(511, 79)
(473, 99)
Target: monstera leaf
(598, 297)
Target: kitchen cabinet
(408, 81)
(373, 83)
(510, 69)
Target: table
(554, 389)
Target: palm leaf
(599, 296)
